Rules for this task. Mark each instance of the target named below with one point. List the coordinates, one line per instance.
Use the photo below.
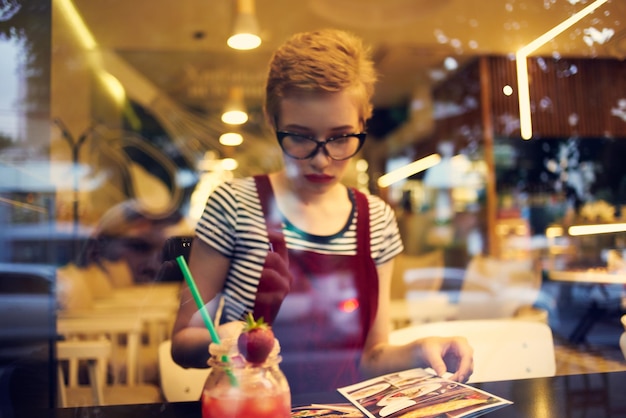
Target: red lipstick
(318, 178)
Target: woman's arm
(190, 337)
(443, 354)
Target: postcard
(419, 393)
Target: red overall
(324, 320)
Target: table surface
(587, 277)
(593, 395)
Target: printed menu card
(419, 393)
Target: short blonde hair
(327, 60)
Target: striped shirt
(233, 224)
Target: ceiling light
(235, 110)
(113, 86)
(77, 23)
(231, 139)
(246, 31)
(408, 170)
(229, 164)
(596, 229)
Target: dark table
(596, 310)
(601, 395)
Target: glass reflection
(75, 154)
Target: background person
(129, 233)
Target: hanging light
(229, 164)
(235, 110)
(246, 30)
(231, 139)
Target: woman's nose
(321, 158)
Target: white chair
(495, 288)
(85, 294)
(117, 389)
(415, 289)
(177, 383)
(504, 349)
(96, 354)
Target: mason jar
(238, 389)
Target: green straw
(196, 297)
(203, 311)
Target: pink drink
(237, 404)
(238, 389)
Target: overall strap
(363, 224)
(367, 273)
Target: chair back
(495, 288)
(124, 334)
(95, 353)
(504, 349)
(177, 383)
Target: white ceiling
(180, 47)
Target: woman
(297, 247)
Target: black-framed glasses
(338, 148)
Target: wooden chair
(504, 349)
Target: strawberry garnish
(256, 340)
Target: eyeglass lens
(336, 148)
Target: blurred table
(595, 310)
(590, 277)
(593, 395)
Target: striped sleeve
(385, 234)
(233, 224)
(216, 226)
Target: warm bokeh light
(408, 170)
(229, 164)
(596, 229)
(362, 165)
(231, 139)
(113, 86)
(244, 41)
(234, 117)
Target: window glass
(506, 180)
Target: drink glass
(237, 389)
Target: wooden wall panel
(568, 97)
(461, 96)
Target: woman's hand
(447, 354)
(273, 287)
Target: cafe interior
(498, 138)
